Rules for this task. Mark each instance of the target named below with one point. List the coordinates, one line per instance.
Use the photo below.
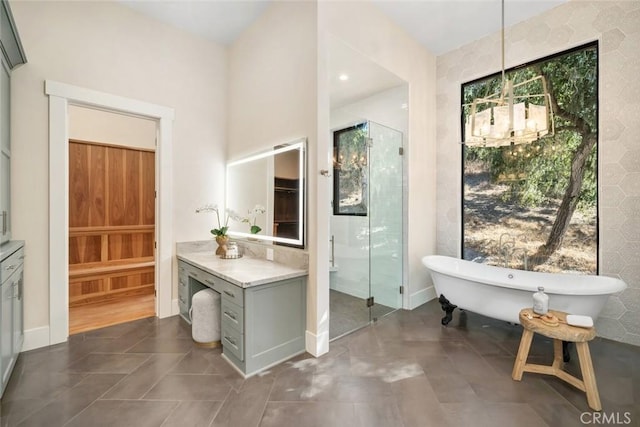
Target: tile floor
(405, 370)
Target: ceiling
(439, 25)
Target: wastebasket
(205, 318)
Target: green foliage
(538, 173)
(351, 164)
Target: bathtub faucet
(506, 248)
(525, 257)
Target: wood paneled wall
(111, 222)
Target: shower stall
(366, 226)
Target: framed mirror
(267, 193)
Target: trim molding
(422, 296)
(61, 95)
(35, 338)
(316, 345)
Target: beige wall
(91, 125)
(107, 47)
(368, 31)
(616, 24)
(272, 99)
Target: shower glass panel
(349, 273)
(366, 226)
(385, 218)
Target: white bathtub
(501, 293)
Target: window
(522, 205)
(350, 171)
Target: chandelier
(519, 114)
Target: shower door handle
(325, 173)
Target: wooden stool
(559, 333)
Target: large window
(534, 206)
(350, 170)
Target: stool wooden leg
(523, 354)
(588, 376)
(558, 358)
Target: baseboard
(175, 308)
(421, 297)
(36, 338)
(350, 291)
(317, 345)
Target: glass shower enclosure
(366, 226)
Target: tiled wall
(616, 24)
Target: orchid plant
(221, 231)
(251, 220)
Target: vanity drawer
(183, 286)
(11, 264)
(232, 342)
(232, 315)
(229, 292)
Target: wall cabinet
(11, 310)
(11, 252)
(12, 55)
(261, 325)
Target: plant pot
(222, 245)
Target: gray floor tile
(244, 407)
(308, 414)
(71, 402)
(193, 414)
(189, 387)
(110, 413)
(140, 381)
(112, 363)
(404, 370)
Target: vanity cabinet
(261, 325)
(11, 310)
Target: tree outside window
(535, 205)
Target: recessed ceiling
(439, 25)
(365, 77)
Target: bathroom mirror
(267, 192)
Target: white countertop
(244, 272)
(10, 247)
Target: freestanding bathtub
(501, 293)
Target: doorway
(366, 270)
(62, 95)
(111, 234)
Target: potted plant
(220, 233)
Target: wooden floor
(98, 315)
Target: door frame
(61, 95)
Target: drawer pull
(231, 294)
(182, 300)
(210, 282)
(230, 315)
(231, 341)
(10, 267)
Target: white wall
(91, 125)
(272, 100)
(378, 38)
(110, 48)
(616, 24)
